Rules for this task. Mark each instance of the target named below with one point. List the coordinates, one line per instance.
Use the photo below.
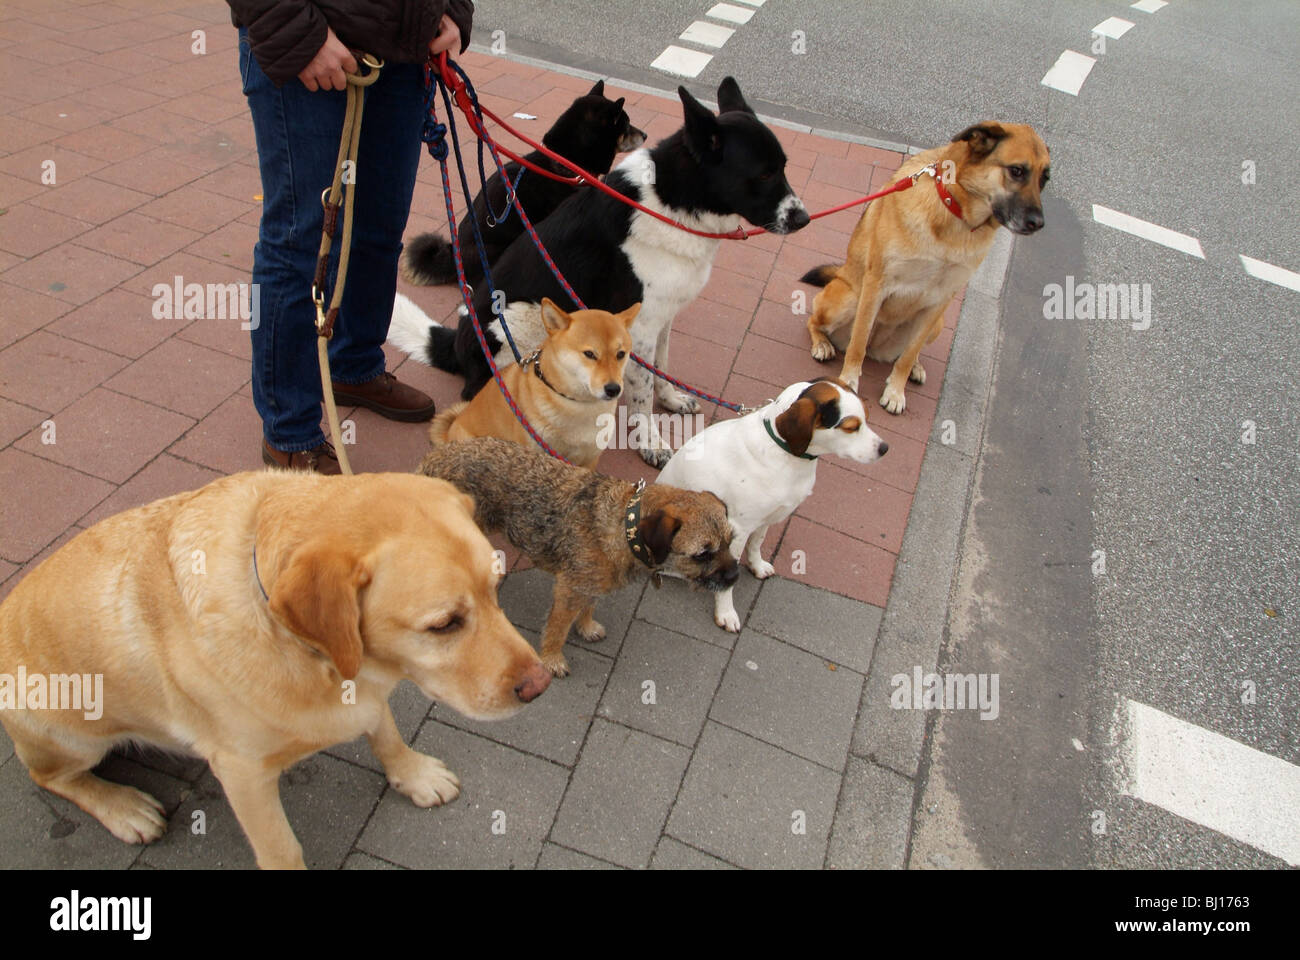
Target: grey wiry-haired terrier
(595, 533)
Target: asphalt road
(1100, 436)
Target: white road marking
(1069, 72)
(1149, 6)
(707, 34)
(1113, 27)
(1209, 779)
(1147, 231)
(730, 12)
(754, 3)
(1266, 271)
(681, 62)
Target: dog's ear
(658, 530)
(797, 423)
(598, 90)
(982, 138)
(730, 97)
(618, 109)
(703, 135)
(628, 316)
(318, 596)
(553, 318)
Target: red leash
(457, 86)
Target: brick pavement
(155, 177)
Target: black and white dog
(707, 175)
(589, 133)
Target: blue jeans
(297, 147)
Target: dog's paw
(679, 402)
(728, 620)
(426, 780)
(761, 569)
(850, 382)
(593, 633)
(556, 663)
(918, 373)
(131, 815)
(657, 457)
(893, 399)
(823, 350)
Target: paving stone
(72, 273)
(675, 855)
(678, 607)
(834, 627)
(119, 322)
(325, 799)
(6, 746)
(525, 596)
(815, 555)
(561, 858)
(741, 800)
(525, 790)
(789, 698)
(164, 476)
(364, 861)
(620, 795)
(113, 447)
(182, 376)
(42, 500)
(47, 372)
(685, 674)
(16, 420)
(409, 705)
(44, 831)
(873, 820)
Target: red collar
(947, 198)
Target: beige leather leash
(331, 200)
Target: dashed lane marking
(1113, 27)
(1209, 779)
(681, 62)
(1149, 6)
(1147, 231)
(1069, 72)
(707, 34)
(730, 13)
(1267, 271)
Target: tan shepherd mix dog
(912, 251)
(254, 622)
(573, 379)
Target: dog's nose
(730, 573)
(1033, 221)
(612, 390)
(883, 448)
(798, 219)
(534, 683)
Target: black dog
(589, 133)
(707, 175)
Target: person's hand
(448, 37)
(326, 70)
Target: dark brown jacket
(286, 34)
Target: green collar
(783, 445)
(632, 527)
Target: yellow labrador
(253, 622)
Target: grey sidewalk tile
(364, 861)
(561, 858)
(553, 725)
(410, 706)
(685, 675)
(789, 698)
(893, 738)
(675, 855)
(325, 799)
(499, 786)
(743, 800)
(620, 795)
(41, 831)
(821, 622)
(525, 596)
(873, 820)
(6, 746)
(676, 606)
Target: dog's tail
(820, 276)
(442, 422)
(414, 332)
(427, 261)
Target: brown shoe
(388, 397)
(320, 459)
